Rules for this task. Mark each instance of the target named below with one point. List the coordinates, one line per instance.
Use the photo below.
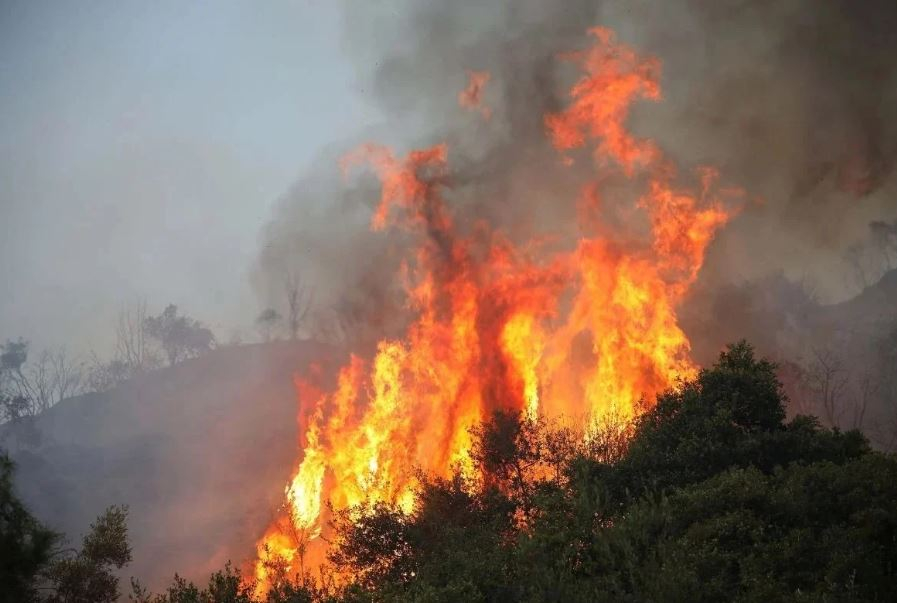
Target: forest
(710, 495)
(437, 301)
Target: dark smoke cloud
(794, 102)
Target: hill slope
(199, 451)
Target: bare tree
(67, 375)
(52, 378)
(102, 376)
(299, 301)
(31, 388)
(866, 389)
(133, 353)
(827, 379)
(39, 383)
(132, 346)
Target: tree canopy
(36, 567)
(180, 336)
(712, 497)
(26, 545)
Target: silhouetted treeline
(31, 384)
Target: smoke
(793, 102)
(180, 447)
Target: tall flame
(589, 331)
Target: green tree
(86, 576)
(817, 532)
(26, 545)
(225, 586)
(731, 415)
(181, 337)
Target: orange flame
(589, 331)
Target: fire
(472, 96)
(614, 76)
(587, 331)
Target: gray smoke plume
(793, 102)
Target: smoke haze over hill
(804, 125)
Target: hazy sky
(142, 145)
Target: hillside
(866, 312)
(199, 451)
(784, 322)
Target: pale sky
(142, 144)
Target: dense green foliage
(33, 567)
(25, 544)
(86, 576)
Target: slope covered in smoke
(837, 361)
(199, 452)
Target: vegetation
(86, 575)
(180, 337)
(715, 498)
(34, 567)
(709, 496)
(27, 389)
(29, 386)
(25, 545)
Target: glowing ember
(472, 96)
(584, 332)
